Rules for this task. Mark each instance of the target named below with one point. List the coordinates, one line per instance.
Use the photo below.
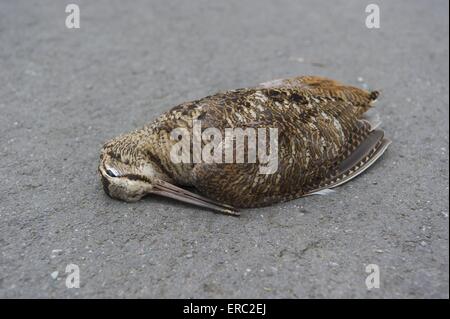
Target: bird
(324, 139)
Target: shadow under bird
(324, 140)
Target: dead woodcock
(324, 140)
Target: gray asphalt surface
(65, 92)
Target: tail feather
(365, 104)
(374, 95)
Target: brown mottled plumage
(323, 141)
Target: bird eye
(110, 173)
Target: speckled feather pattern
(319, 123)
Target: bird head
(128, 173)
(125, 172)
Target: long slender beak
(166, 189)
